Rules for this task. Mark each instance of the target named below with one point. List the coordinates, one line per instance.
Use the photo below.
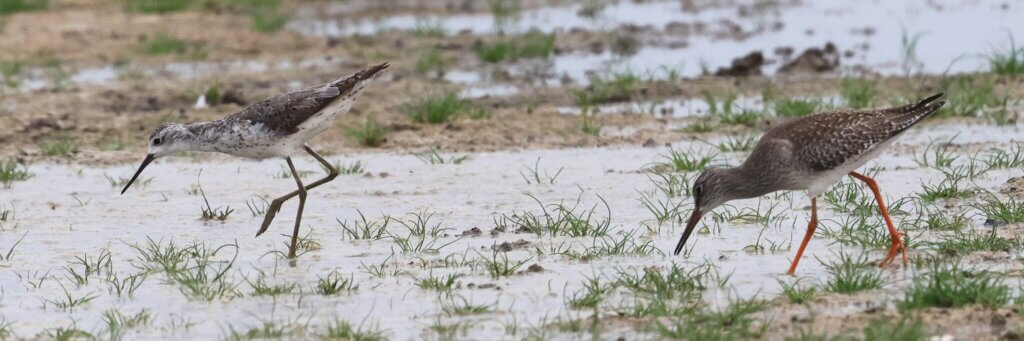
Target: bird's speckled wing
(282, 114)
(825, 141)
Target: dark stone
(744, 66)
(814, 60)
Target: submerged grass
(848, 274)
(559, 220)
(196, 269)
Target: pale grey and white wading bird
(811, 153)
(276, 127)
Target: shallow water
(949, 36)
(68, 211)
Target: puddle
(953, 34)
(668, 108)
(67, 202)
(489, 90)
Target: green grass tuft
(156, 6)
(953, 286)
(615, 87)
(11, 70)
(858, 93)
(794, 107)
(62, 146)
(11, 171)
(688, 160)
(962, 242)
(370, 134)
(849, 275)
(532, 44)
(432, 61)
(906, 328)
(267, 20)
(344, 330)
(15, 6)
(429, 28)
(1009, 62)
(1007, 211)
(161, 44)
(798, 294)
(436, 108)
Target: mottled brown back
(827, 140)
(282, 114)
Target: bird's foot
(897, 247)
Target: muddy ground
(87, 83)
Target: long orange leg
(897, 238)
(811, 226)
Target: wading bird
(811, 153)
(276, 127)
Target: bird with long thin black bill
(811, 153)
(276, 127)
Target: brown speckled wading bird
(276, 127)
(811, 153)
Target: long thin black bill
(694, 219)
(149, 158)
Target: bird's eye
(156, 141)
(697, 189)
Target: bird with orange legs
(811, 154)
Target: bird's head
(709, 192)
(167, 138)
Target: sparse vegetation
(858, 93)
(333, 284)
(370, 134)
(849, 275)
(533, 44)
(436, 108)
(434, 158)
(162, 44)
(156, 6)
(59, 146)
(950, 286)
(11, 171)
(688, 160)
(14, 6)
(1008, 62)
(795, 107)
